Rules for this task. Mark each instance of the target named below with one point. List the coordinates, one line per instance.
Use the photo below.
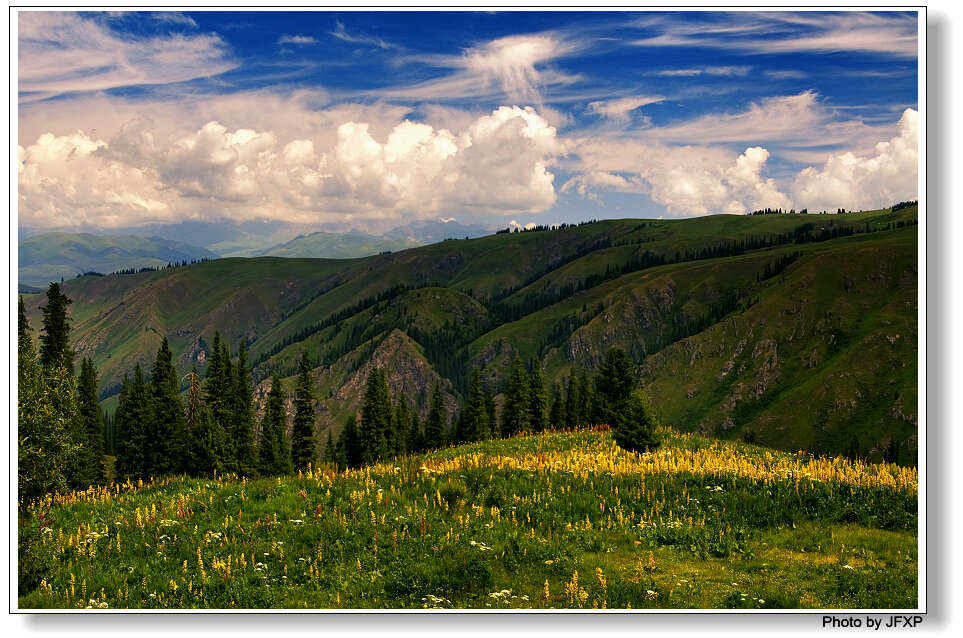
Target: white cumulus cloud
(70, 177)
(687, 180)
(364, 172)
(852, 181)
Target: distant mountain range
(429, 232)
(337, 246)
(47, 257)
(54, 256)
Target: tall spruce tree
(437, 418)
(474, 417)
(274, 450)
(516, 414)
(45, 409)
(350, 443)
(635, 423)
(586, 405)
(537, 402)
(375, 419)
(492, 416)
(330, 452)
(572, 411)
(109, 436)
(402, 423)
(25, 350)
(205, 452)
(132, 421)
(556, 413)
(218, 390)
(613, 385)
(168, 437)
(91, 425)
(303, 439)
(55, 347)
(416, 436)
(242, 434)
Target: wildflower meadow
(561, 519)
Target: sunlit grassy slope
(555, 520)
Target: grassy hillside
(797, 331)
(557, 520)
(52, 256)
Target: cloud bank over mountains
(124, 121)
(500, 164)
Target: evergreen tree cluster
(902, 205)
(214, 431)
(389, 428)
(60, 427)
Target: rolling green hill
(797, 331)
(52, 256)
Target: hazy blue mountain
(338, 246)
(430, 231)
(53, 256)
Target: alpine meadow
(563, 310)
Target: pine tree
(556, 414)
(55, 347)
(91, 425)
(474, 419)
(402, 423)
(635, 423)
(218, 390)
(242, 434)
(586, 403)
(537, 403)
(375, 426)
(490, 412)
(572, 410)
(45, 409)
(303, 441)
(416, 436)
(330, 453)
(168, 436)
(109, 435)
(132, 420)
(614, 384)
(25, 350)
(437, 417)
(205, 450)
(350, 443)
(274, 450)
(516, 413)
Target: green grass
(491, 525)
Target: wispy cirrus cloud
(174, 17)
(341, 33)
(513, 68)
(785, 74)
(67, 52)
(297, 39)
(721, 71)
(619, 109)
(766, 33)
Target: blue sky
(371, 120)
